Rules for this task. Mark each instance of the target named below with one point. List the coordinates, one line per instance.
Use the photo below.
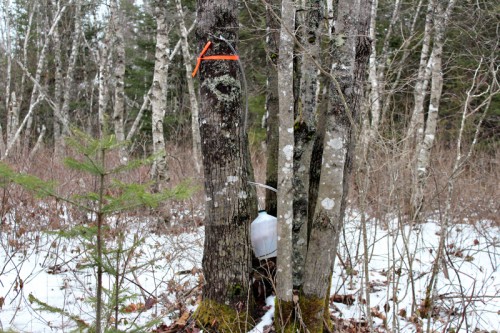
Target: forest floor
(47, 279)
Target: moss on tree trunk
(284, 317)
(212, 316)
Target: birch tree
(119, 75)
(195, 130)
(159, 94)
(62, 129)
(426, 139)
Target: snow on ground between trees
(165, 274)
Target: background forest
(114, 77)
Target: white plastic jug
(264, 235)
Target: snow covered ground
(163, 273)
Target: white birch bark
(425, 144)
(38, 143)
(104, 58)
(69, 80)
(284, 285)
(17, 134)
(417, 117)
(195, 127)
(158, 96)
(373, 105)
(119, 74)
(12, 118)
(58, 87)
(146, 101)
(36, 94)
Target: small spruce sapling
(111, 197)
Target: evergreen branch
(49, 308)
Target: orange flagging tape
(214, 57)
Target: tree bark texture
(69, 81)
(159, 95)
(327, 224)
(284, 283)
(305, 126)
(119, 74)
(231, 202)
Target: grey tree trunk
(284, 282)
(305, 133)
(231, 202)
(350, 57)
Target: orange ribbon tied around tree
(214, 57)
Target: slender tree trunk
(119, 74)
(69, 81)
(231, 202)
(389, 93)
(373, 107)
(8, 69)
(272, 102)
(58, 85)
(335, 166)
(146, 100)
(417, 117)
(159, 95)
(305, 133)
(12, 119)
(195, 127)
(425, 144)
(284, 282)
(49, 27)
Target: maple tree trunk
(231, 202)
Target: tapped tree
(230, 200)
